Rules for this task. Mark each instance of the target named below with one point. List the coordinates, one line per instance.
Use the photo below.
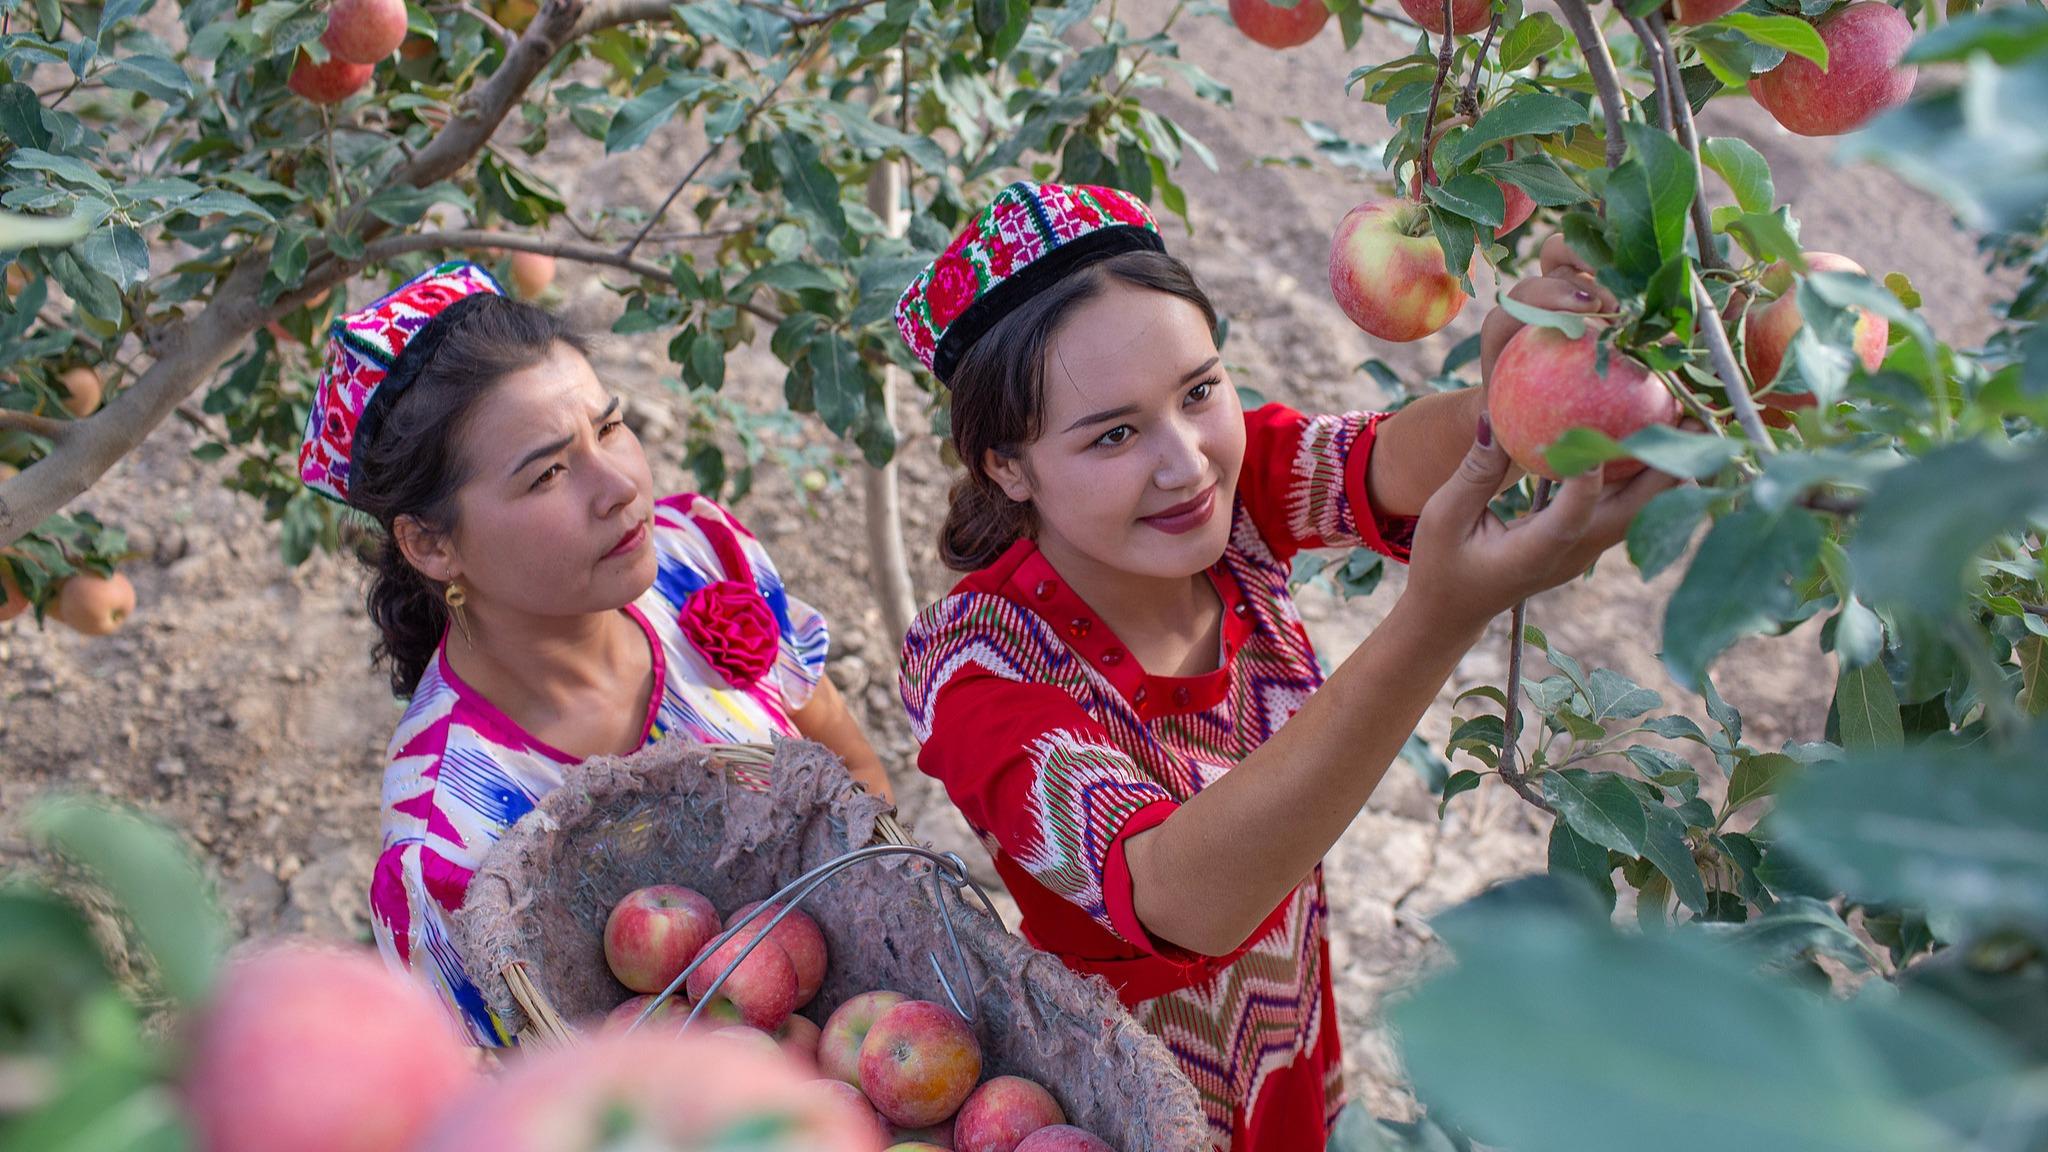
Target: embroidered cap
(364, 348)
(1028, 237)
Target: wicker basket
(672, 813)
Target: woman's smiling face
(1141, 437)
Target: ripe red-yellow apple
(799, 936)
(532, 272)
(1863, 76)
(13, 602)
(1064, 1138)
(327, 82)
(1768, 330)
(654, 932)
(763, 987)
(1278, 27)
(1544, 383)
(646, 1091)
(845, 1030)
(1387, 272)
(1003, 1111)
(82, 390)
(319, 1050)
(416, 48)
(515, 15)
(799, 1038)
(919, 1062)
(1467, 16)
(1701, 11)
(364, 31)
(95, 605)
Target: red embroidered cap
(1028, 237)
(363, 350)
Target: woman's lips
(629, 542)
(1185, 517)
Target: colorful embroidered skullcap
(1023, 242)
(363, 349)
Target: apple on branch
(1863, 77)
(1546, 382)
(1387, 272)
(1278, 27)
(1768, 330)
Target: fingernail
(1582, 294)
(1485, 433)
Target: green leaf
(1616, 697)
(1787, 32)
(1553, 1033)
(838, 381)
(1574, 855)
(153, 879)
(638, 118)
(1471, 196)
(1463, 780)
(1694, 455)
(1868, 708)
(150, 75)
(1925, 523)
(1522, 114)
(1648, 199)
(1798, 927)
(118, 253)
(1599, 806)
(1535, 34)
(1963, 832)
(405, 205)
(65, 168)
(1665, 846)
(1540, 177)
(707, 363)
(1757, 776)
(864, 131)
(789, 277)
(1741, 582)
(1658, 535)
(1572, 324)
(2033, 657)
(2008, 34)
(811, 189)
(1768, 236)
(1745, 169)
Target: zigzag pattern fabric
(462, 772)
(1056, 749)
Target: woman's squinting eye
(546, 475)
(1202, 391)
(606, 430)
(1115, 436)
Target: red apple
(319, 1050)
(763, 987)
(532, 272)
(851, 1099)
(1387, 272)
(667, 1018)
(1701, 11)
(1064, 1138)
(1544, 383)
(938, 1135)
(1863, 76)
(13, 602)
(364, 31)
(1768, 330)
(1003, 1111)
(327, 82)
(1467, 16)
(799, 1037)
(94, 605)
(687, 1091)
(82, 390)
(799, 936)
(919, 1062)
(846, 1029)
(655, 932)
(915, 1146)
(1278, 27)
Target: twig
(32, 424)
(1600, 65)
(1445, 55)
(1652, 53)
(1510, 773)
(1468, 103)
(1725, 368)
(1688, 135)
(506, 39)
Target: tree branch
(33, 424)
(1652, 53)
(1445, 55)
(1688, 135)
(1511, 773)
(1600, 65)
(1468, 101)
(1709, 323)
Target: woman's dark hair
(998, 391)
(408, 463)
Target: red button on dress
(1080, 626)
(1181, 697)
(1113, 656)
(1045, 589)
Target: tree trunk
(888, 567)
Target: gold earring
(455, 597)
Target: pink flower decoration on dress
(734, 629)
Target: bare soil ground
(239, 703)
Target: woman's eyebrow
(547, 450)
(1126, 410)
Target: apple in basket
(846, 1028)
(1002, 1112)
(919, 1062)
(1064, 1138)
(655, 932)
(763, 987)
(641, 1090)
(799, 936)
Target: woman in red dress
(1120, 696)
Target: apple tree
(1836, 943)
(241, 171)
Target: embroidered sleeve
(805, 640)
(1304, 482)
(1026, 765)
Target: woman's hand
(1468, 567)
(1566, 285)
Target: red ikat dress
(1057, 747)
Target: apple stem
(1600, 65)
(1518, 622)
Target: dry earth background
(239, 703)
